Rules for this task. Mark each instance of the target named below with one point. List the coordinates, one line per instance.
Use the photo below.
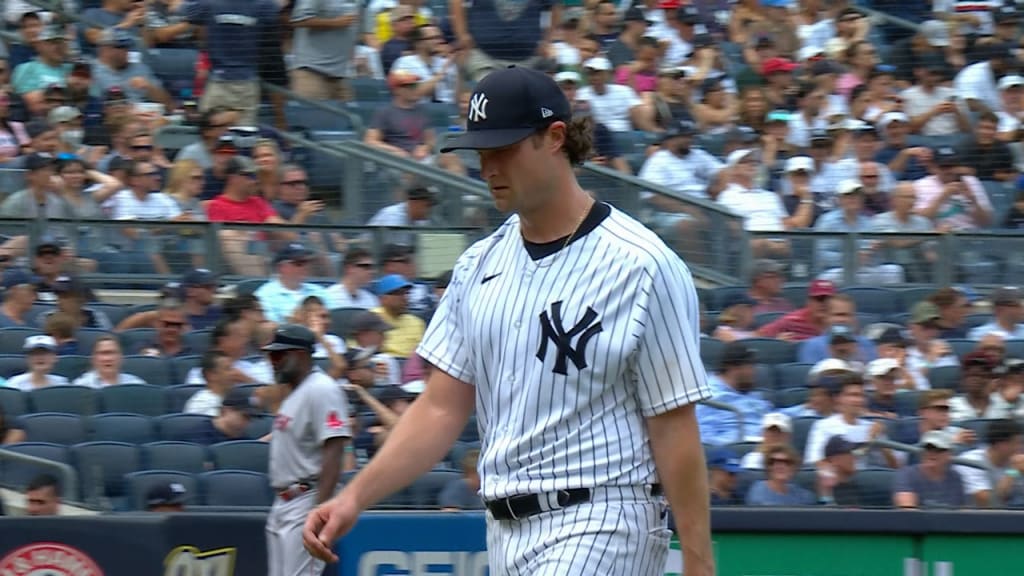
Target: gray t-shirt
(946, 493)
(402, 127)
(105, 77)
(328, 51)
(23, 204)
(457, 494)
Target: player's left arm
(679, 458)
(330, 468)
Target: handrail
(901, 22)
(632, 180)
(357, 122)
(364, 151)
(730, 408)
(917, 450)
(69, 487)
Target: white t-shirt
(917, 101)
(975, 479)
(690, 174)
(611, 108)
(23, 382)
(93, 380)
(978, 82)
(336, 343)
(444, 90)
(260, 371)
(204, 402)
(835, 425)
(155, 206)
(762, 210)
(753, 460)
(339, 297)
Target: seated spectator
(388, 407)
(282, 295)
(39, 200)
(932, 483)
(876, 194)
(766, 280)
(723, 469)
(230, 423)
(247, 308)
(715, 110)
(841, 314)
(1011, 90)
(977, 384)
(106, 366)
(49, 67)
(850, 217)
(904, 161)
(836, 481)
(9, 431)
(266, 155)
(776, 429)
(403, 23)
(213, 123)
(849, 422)
(166, 498)
(200, 301)
(927, 350)
(613, 105)
(883, 374)
(43, 496)
(933, 411)
(401, 259)
(62, 327)
(368, 330)
(990, 158)
(41, 357)
(171, 324)
(29, 23)
(184, 185)
(1006, 309)
(12, 134)
(114, 68)
(220, 378)
(72, 295)
(431, 61)
(1009, 397)
(138, 248)
(403, 127)
(414, 211)
(951, 198)
(670, 102)
(809, 117)
(931, 105)
(312, 314)
(890, 344)
(999, 483)
(294, 205)
(678, 165)
(953, 308)
(914, 256)
(18, 296)
(463, 493)
(807, 322)
(350, 291)
(733, 385)
(166, 26)
(736, 320)
(976, 83)
(231, 336)
(778, 489)
(393, 291)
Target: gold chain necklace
(569, 238)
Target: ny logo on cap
(478, 107)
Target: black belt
(519, 507)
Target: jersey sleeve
(331, 412)
(669, 371)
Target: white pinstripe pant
(609, 535)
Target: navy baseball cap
(199, 277)
(509, 105)
(69, 285)
(291, 337)
(166, 494)
(293, 252)
(239, 399)
(18, 277)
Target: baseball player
(311, 429)
(573, 331)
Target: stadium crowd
(793, 115)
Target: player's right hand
(325, 524)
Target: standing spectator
(836, 481)
(213, 123)
(914, 256)
(723, 469)
(950, 198)
(166, 26)
(48, 68)
(927, 351)
(463, 493)
(393, 291)
(125, 16)
(976, 84)
(403, 23)
(621, 51)
(523, 30)
(281, 296)
(323, 45)
(766, 280)
(990, 158)
(219, 376)
(977, 384)
(999, 482)
(114, 68)
(106, 366)
(807, 322)
(932, 483)
(778, 489)
(849, 423)
(776, 429)
(734, 386)
(350, 291)
(43, 496)
(18, 296)
(41, 357)
(1006, 309)
(615, 106)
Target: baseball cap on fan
(509, 105)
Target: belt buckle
(511, 512)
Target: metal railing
(69, 478)
(741, 423)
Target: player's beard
(291, 371)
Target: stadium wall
(747, 542)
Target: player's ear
(556, 135)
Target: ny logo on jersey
(478, 107)
(553, 330)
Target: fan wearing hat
(167, 497)
(40, 358)
(393, 291)
(932, 483)
(736, 320)
(951, 198)
(908, 163)
(884, 376)
(850, 217)
(980, 373)
(49, 67)
(233, 411)
(915, 257)
(402, 129)
(807, 322)
(367, 335)
(849, 422)
(996, 483)
(776, 429)
(19, 293)
(414, 211)
(114, 68)
(282, 295)
(733, 385)
(778, 488)
(766, 280)
(1007, 315)
(73, 295)
(635, 24)
(39, 199)
(213, 123)
(927, 351)
(678, 165)
(615, 106)
(311, 432)
(400, 259)
(724, 469)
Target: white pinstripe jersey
(569, 353)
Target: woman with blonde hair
(267, 157)
(736, 321)
(184, 185)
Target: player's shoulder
(473, 257)
(640, 244)
(318, 381)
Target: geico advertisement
(394, 562)
(191, 561)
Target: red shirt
(254, 209)
(797, 323)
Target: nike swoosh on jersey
(487, 279)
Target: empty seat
(67, 399)
(87, 337)
(426, 489)
(459, 450)
(874, 487)
(102, 467)
(175, 397)
(711, 352)
(741, 449)
(17, 474)
(874, 300)
(122, 427)
(252, 455)
(1015, 348)
(133, 398)
(181, 365)
(721, 295)
(72, 367)
(152, 370)
(236, 488)
(248, 287)
(771, 351)
(198, 341)
(13, 402)
(173, 138)
(140, 483)
(12, 365)
(179, 426)
(259, 426)
(791, 397)
(177, 456)
(796, 294)
(764, 377)
(793, 375)
(53, 427)
(944, 377)
(801, 430)
(911, 296)
(12, 340)
(962, 346)
(135, 338)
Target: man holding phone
(951, 198)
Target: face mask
(73, 137)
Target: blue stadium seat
(133, 398)
(175, 397)
(78, 400)
(801, 429)
(470, 433)
(37, 314)
(136, 338)
(179, 426)
(975, 320)
(962, 346)
(17, 475)
(911, 296)
(259, 426)
(307, 117)
(178, 456)
(720, 295)
(182, 365)
(796, 294)
(944, 377)
(865, 319)
(252, 455)
(12, 340)
(875, 300)
(171, 139)
(977, 425)
(115, 312)
(87, 338)
(874, 487)
(764, 377)
(370, 90)
(236, 488)
(711, 352)
(153, 371)
(807, 479)
(791, 397)
(772, 351)
(53, 427)
(740, 449)
(250, 286)
(102, 467)
(1001, 196)
(793, 375)
(1014, 348)
(13, 402)
(12, 365)
(72, 367)
(198, 340)
(426, 489)
(122, 427)
(176, 67)
(140, 483)
(907, 401)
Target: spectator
(200, 289)
(836, 481)
(848, 218)
(12, 134)
(29, 24)
(463, 493)
(1006, 309)
(126, 16)
(933, 410)
(213, 124)
(312, 314)
(884, 374)
(723, 469)
(106, 366)
(876, 197)
(736, 320)
(401, 259)
(914, 256)
(432, 63)
(733, 386)
(166, 26)
(350, 291)
(904, 161)
(41, 357)
(113, 68)
(84, 189)
(613, 105)
(807, 322)
(641, 74)
(171, 324)
(932, 106)
(932, 483)
(220, 378)
(670, 103)
(402, 128)
(776, 429)
(266, 155)
(231, 337)
(323, 43)
(843, 351)
(766, 280)
(368, 330)
(18, 296)
(137, 250)
(841, 312)
(927, 351)
(977, 384)
(230, 423)
(849, 423)
(622, 49)
(890, 343)
(779, 489)
(249, 311)
(523, 30)
(1008, 397)
(403, 23)
(294, 205)
(184, 185)
(38, 200)
(951, 198)
(976, 84)
(414, 211)
(393, 402)
(1011, 90)
(9, 431)
(49, 67)
(716, 110)
(282, 295)
(393, 291)
(991, 159)
(678, 165)
(998, 483)
(61, 327)
(166, 498)
(43, 496)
